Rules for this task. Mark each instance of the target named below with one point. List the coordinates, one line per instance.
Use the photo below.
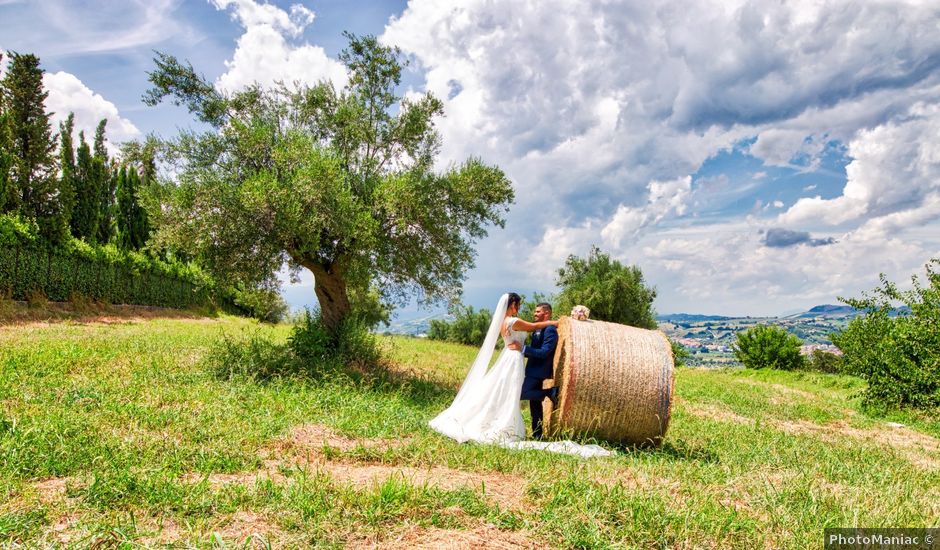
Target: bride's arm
(531, 327)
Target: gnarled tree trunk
(332, 293)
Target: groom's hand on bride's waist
(515, 346)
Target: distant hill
(828, 311)
(413, 327)
(690, 317)
(831, 311)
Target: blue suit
(540, 353)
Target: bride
(486, 409)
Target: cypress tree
(6, 156)
(84, 221)
(34, 182)
(148, 177)
(106, 187)
(67, 167)
(140, 222)
(123, 209)
(140, 174)
(133, 229)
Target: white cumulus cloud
(585, 104)
(68, 94)
(272, 48)
(895, 170)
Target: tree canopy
(767, 346)
(31, 184)
(612, 291)
(342, 183)
(896, 350)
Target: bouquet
(581, 313)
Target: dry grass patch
(64, 530)
(244, 529)
(637, 480)
(20, 315)
(506, 491)
(251, 527)
(314, 437)
(920, 449)
(482, 536)
(780, 389)
(270, 472)
(718, 413)
(302, 448)
(52, 489)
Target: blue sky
(751, 157)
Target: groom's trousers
(533, 393)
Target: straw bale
(615, 382)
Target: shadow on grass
(256, 357)
(680, 450)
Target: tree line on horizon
(57, 187)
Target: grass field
(119, 435)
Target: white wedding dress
(486, 409)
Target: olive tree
(340, 182)
(611, 290)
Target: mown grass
(131, 423)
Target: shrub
(255, 356)
(101, 273)
(765, 346)
(368, 308)
(438, 329)
(351, 345)
(468, 327)
(36, 299)
(680, 354)
(898, 355)
(355, 345)
(262, 304)
(310, 339)
(17, 231)
(824, 361)
(81, 303)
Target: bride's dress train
(486, 409)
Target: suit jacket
(541, 353)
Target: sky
(752, 158)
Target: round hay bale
(614, 381)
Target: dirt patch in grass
(64, 529)
(920, 449)
(19, 314)
(165, 531)
(52, 489)
(250, 529)
(506, 491)
(314, 437)
(244, 529)
(719, 413)
(637, 480)
(779, 389)
(483, 536)
(215, 481)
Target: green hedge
(99, 273)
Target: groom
(541, 352)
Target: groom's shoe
(553, 395)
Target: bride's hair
(514, 299)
